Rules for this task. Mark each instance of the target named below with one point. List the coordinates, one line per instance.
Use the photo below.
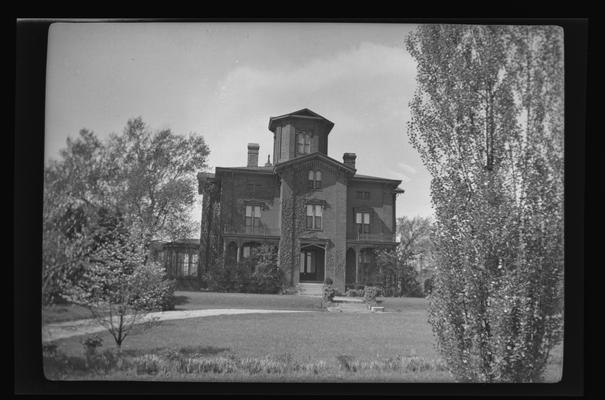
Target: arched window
(314, 180)
(303, 143)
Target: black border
(28, 377)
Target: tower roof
(304, 113)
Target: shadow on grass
(180, 300)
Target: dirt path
(62, 330)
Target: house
(180, 259)
(325, 219)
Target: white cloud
(407, 168)
(364, 90)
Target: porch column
(356, 250)
(224, 249)
(239, 246)
(325, 262)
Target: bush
(268, 278)
(370, 293)
(230, 277)
(90, 345)
(328, 282)
(428, 285)
(354, 293)
(166, 295)
(329, 292)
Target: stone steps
(310, 289)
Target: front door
(311, 264)
(307, 265)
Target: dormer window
(314, 181)
(303, 142)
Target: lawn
(305, 337)
(210, 300)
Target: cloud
(364, 90)
(407, 168)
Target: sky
(225, 80)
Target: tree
(116, 284)
(146, 178)
(397, 266)
(487, 121)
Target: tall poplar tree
(487, 120)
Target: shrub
(328, 282)
(229, 277)
(90, 345)
(370, 294)
(329, 292)
(354, 293)
(268, 278)
(166, 295)
(428, 285)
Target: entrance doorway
(312, 263)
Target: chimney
(253, 155)
(349, 159)
(268, 164)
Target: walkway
(62, 330)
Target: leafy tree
(487, 120)
(396, 267)
(145, 179)
(267, 277)
(116, 285)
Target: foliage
(267, 277)
(487, 120)
(397, 276)
(370, 294)
(354, 293)
(117, 286)
(91, 344)
(428, 285)
(328, 293)
(177, 363)
(143, 179)
(257, 274)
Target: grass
(336, 339)
(64, 312)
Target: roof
(304, 113)
(310, 156)
(262, 170)
(376, 178)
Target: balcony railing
(374, 237)
(251, 230)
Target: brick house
(180, 259)
(325, 219)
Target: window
(183, 264)
(363, 195)
(303, 142)
(193, 266)
(365, 257)
(253, 189)
(314, 179)
(314, 215)
(362, 219)
(252, 218)
(246, 252)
